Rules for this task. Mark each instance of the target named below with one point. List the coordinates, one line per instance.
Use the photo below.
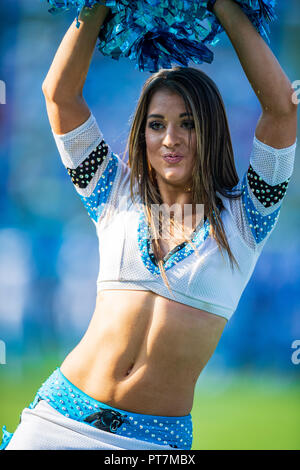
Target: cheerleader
(163, 299)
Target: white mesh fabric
(77, 144)
(273, 165)
(236, 209)
(210, 285)
(44, 428)
(119, 198)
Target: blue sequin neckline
(176, 255)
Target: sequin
(95, 203)
(179, 253)
(154, 428)
(261, 189)
(82, 181)
(260, 225)
(154, 34)
(6, 437)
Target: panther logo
(106, 420)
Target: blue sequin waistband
(70, 401)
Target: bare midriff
(143, 353)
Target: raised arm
(64, 82)
(277, 126)
(99, 176)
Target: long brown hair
(214, 168)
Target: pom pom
(154, 34)
(157, 33)
(65, 5)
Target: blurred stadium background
(248, 396)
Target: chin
(175, 177)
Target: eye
(155, 125)
(188, 124)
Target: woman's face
(170, 132)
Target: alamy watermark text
(2, 352)
(2, 92)
(296, 354)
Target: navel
(129, 370)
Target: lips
(172, 158)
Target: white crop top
(206, 282)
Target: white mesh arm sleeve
(77, 144)
(263, 189)
(273, 165)
(99, 176)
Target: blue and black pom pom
(158, 33)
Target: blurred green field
(250, 414)
(244, 412)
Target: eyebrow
(160, 116)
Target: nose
(171, 137)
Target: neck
(175, 195)
(190, 213)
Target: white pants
(44, 428)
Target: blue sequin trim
(187, 249)
(95, 203)
(5, 438)
(260, 225)
(73, 403)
